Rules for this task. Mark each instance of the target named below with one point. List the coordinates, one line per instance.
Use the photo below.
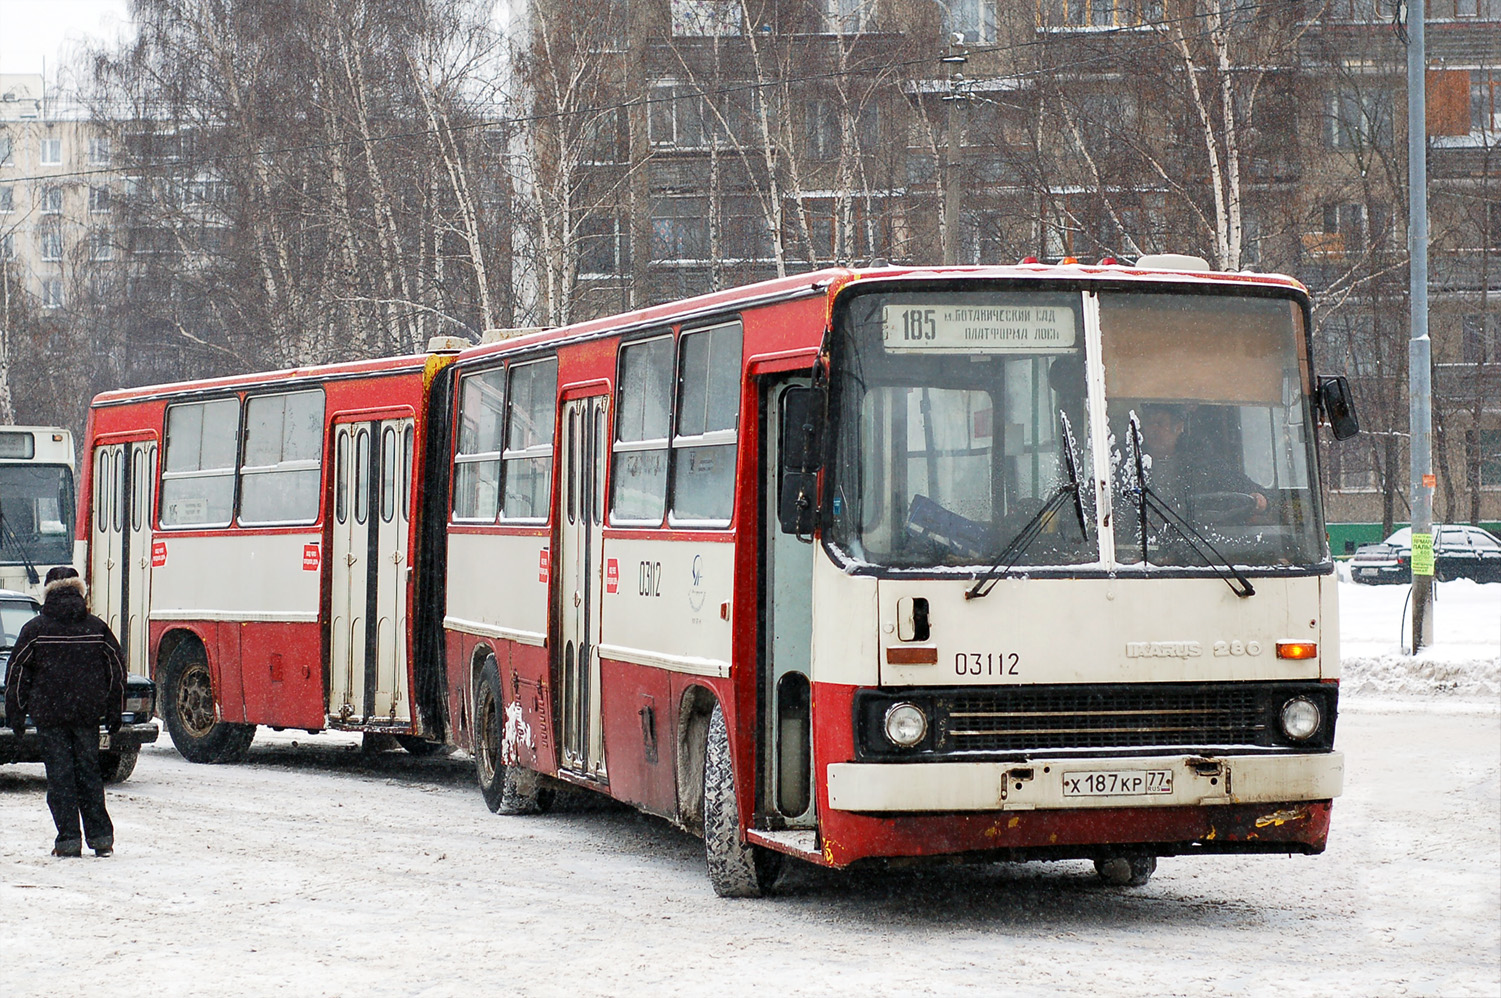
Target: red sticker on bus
(612, 576)
(310, 557)
(158, 554)
(542, 566)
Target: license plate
(104, 739)
(1118, 783)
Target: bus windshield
(36, 507)
(953, 413)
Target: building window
(1485, 100)
(822, 127)
(7, 246)
(476, 471)
(52, 200)
(1097, 13)
(101, 247)
(531, 405)
(638, 491)
(1350, 344)
(1360, 118)
(6, 149)
(706, 18)
(7, 199)
(98, 199)
(677, 117)
(849, 17)
(52, 152)
(1488, 445)
(679, 228)
(602, 242)
(1352, 466)
(99, 151)
(974, 19)
(50, 239)
(1356, 10)
(52, 292)
(1481, 335)
(198, 474)
(604, 139)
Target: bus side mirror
(801, 442)
(1338, 403)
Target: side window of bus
(643, 412)
(529, 430)
(101, 494)
(388, 475)
(279, 481)
(198, 471)
(703, 471)
(476, 472)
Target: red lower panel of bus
(1301, 826)
(263, 673)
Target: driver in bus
(1177, 474)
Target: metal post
(955, 59)
(1419, 387)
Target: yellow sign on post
(1422, 554)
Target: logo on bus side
(612, 576)
(310, 558)
(543, 564)
(1163, 649)
(158, 554)
(697, 593)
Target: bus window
(198, 471)
(406, 474)
(529, 429)
(137, 487)
(639, 477)
(117, 489)
(101, 496)
(703, 483)
(388, 475)
(476, 471)
(341, 479)
(362, 476)
(283, 458)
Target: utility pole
(1419, 350)
(955, 58)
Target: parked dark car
(1459, 552)
(118, 752)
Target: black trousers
(75, 786)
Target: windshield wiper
(1147, 499)
(1018, 545)
(10, 537)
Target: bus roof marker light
(1297, 649)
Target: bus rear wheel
(189, 708)
(1126, 871)
(507, 789)
(736, 869)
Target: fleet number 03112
(989, 663)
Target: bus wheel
(736, 869)
(1126, 871)
(507, 789)
(188, 708)
(116, 767)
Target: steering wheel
(1223, 507)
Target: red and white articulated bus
(999, 563)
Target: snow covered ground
(1376, 631)
(317, 869)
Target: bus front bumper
(1057, 784)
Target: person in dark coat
(67, 672)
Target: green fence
(1344, 538)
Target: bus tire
(736, 869)
(116, 767)
(188, 706)
(1126, 871)
(507, 789)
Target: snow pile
(1376, 632)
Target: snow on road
(1376, 628)
(317, 869)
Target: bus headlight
(906, 724)
(1300, 718)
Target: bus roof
(348, 369)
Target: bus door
(581, 538)
(368, 582)
(120, 548)
(787, 619)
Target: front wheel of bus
(192, 717)
(507, 789)
(736, 869)
(1126, 871)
